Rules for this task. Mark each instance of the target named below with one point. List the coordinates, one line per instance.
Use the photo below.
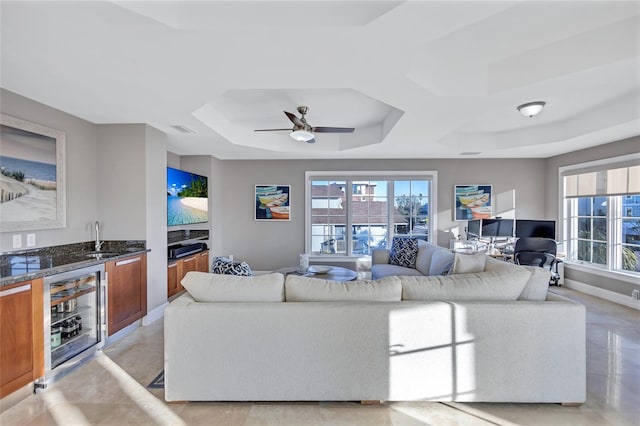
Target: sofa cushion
(404, 251)
(425, 253)
(386, 270)
(205, 287)
(468, 263)
(441, 262)
(488, 285)
(223, 265)
(537, 286)
(307, 289)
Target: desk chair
(538, 252)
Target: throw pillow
(307, 289)
(404, 251)
(537, 286)
(468, 263)
(205, 287)
(441, 262)
(222, 265)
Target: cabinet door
(127, 291)
(202, 261)
(172, 279)
(21, 330)
(188, 264)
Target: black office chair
(538, 252)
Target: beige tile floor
(111, 390)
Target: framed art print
(472, 202)
(32, 178)
(273, 202)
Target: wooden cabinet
(127, 291)
(202, 261)
(22, 334)
(178, 269)
(173, 285)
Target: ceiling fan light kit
(531, 109)
(303, 131)
(301, 135)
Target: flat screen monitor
(473, 228)
(187, 198)
(536, 228)
(497, 227)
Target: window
(350, 214)
(601, 213)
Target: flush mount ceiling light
(531, 109)
(301, 135)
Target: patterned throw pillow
(222, 265)
(404, 251)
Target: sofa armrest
(379, 256)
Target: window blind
(608, 182)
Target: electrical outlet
(635, 294)
(31, 240)
(17, 241)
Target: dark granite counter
(26, 265)
(187, 235)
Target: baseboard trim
(611, 296)
(154, 315)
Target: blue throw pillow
(404, 251)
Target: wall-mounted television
(187, 198)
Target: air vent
(183, 129)
(470, 153)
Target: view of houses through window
(602, 215)
(353, 216)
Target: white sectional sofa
(305, 339)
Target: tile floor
(111, 390)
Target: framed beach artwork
(32, 179)
(473, 202)
(273, 202)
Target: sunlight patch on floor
(156, 409)
(63, 411)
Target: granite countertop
(36, 263)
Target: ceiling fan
(303, 131)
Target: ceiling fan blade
(312, 140)
(333, 129)
(294, 119)
(271, 130)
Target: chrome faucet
(98, 242)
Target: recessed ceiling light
(531, 109)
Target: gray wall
(81, 173)
(132, 195)
(122, 181)
(269, 245)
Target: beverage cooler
(74, 317)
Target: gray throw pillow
(404, 251)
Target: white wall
(156, 216)
(81, 173)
